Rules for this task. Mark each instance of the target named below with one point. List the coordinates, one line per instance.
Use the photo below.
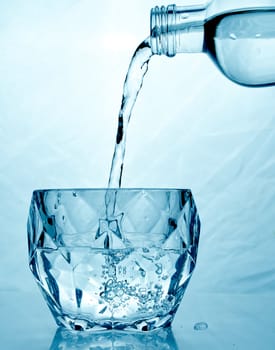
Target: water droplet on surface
(233, 36)
(200, 326)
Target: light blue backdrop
(62, 67)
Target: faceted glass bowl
(113, 258)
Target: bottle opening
(163, 37)
(176, 29)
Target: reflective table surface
(214, 321)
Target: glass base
(82, 324)
(161, 339)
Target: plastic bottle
(240, 41)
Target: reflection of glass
(162, 339)
(125, 268)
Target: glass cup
(113, 258)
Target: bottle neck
(177, 29)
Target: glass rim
(120, 189)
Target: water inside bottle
(242, 44)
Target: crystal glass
(113, 258)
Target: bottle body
(241, 43)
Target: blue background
(62, 68)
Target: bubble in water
(141, 270)
(109, 284)
(131, 290)
(142, 292)
(159, 269)
(158, 286)
(122, 270)
(200, 326)
(110, 295)
(112, 270)
(103, 310)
